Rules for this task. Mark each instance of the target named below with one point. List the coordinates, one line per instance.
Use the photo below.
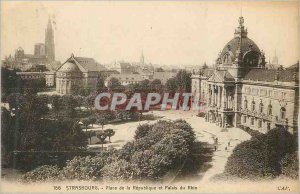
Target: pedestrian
(228, 143)
(226, 148)
(215, 148)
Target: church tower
(142, 59)
(49, 42)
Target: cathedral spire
(142, 58)
(275, 59)
(49, 26)
(49, 41)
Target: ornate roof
(234, 44)
(69, 66)
(82, 64)
(240, 46)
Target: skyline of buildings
(241, 92)
(117, 39)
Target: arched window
(282, 113)
(261, 107)
(270, 109)
(245, 104)
(227, 59)
(253, 106)
(251, 59)
(259, 123)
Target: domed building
(76, 73)
(241, 92)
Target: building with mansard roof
(241, 91)
(77, 72)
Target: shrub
(261, 155)
(290, 165)
(119, 170)
(150, 165)
(87, 168)
(250, 131)
(142, 131)
(156, 150)
(42, 174)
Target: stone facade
(50, 78)
(76, 73)
(31, 75)
(240, 90)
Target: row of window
(265, 92)
(252, 121)
(261, 109)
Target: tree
(102, 121)
(119, 170)
(101, 135)
(90, 134)
(64, 134)
(69, 104)
(290, 165)
(44, 173)
(114, 83)
(109, 133)
(84, 168)
(260, 156)
(183, 81)
(171, 85)
(156, 85)
(145, 83)
(89, 102)
(159, 69)
(142, 130)
(92, 120)
(56, 102)
(86, 122)
(100, 83)
(122, 114)
(10, 82)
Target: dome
(69, 66)
(249, 53)
(233, 45)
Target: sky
(171, 33)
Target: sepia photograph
(149, 96)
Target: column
(217, 96)
(222, 97)
(236, 97)
(225, 98)
(65, 84)
(69, 86)
(209, 95)
(213, 94)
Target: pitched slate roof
(90, 64)
(83, 63)
(295, 66)
(269, 75)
